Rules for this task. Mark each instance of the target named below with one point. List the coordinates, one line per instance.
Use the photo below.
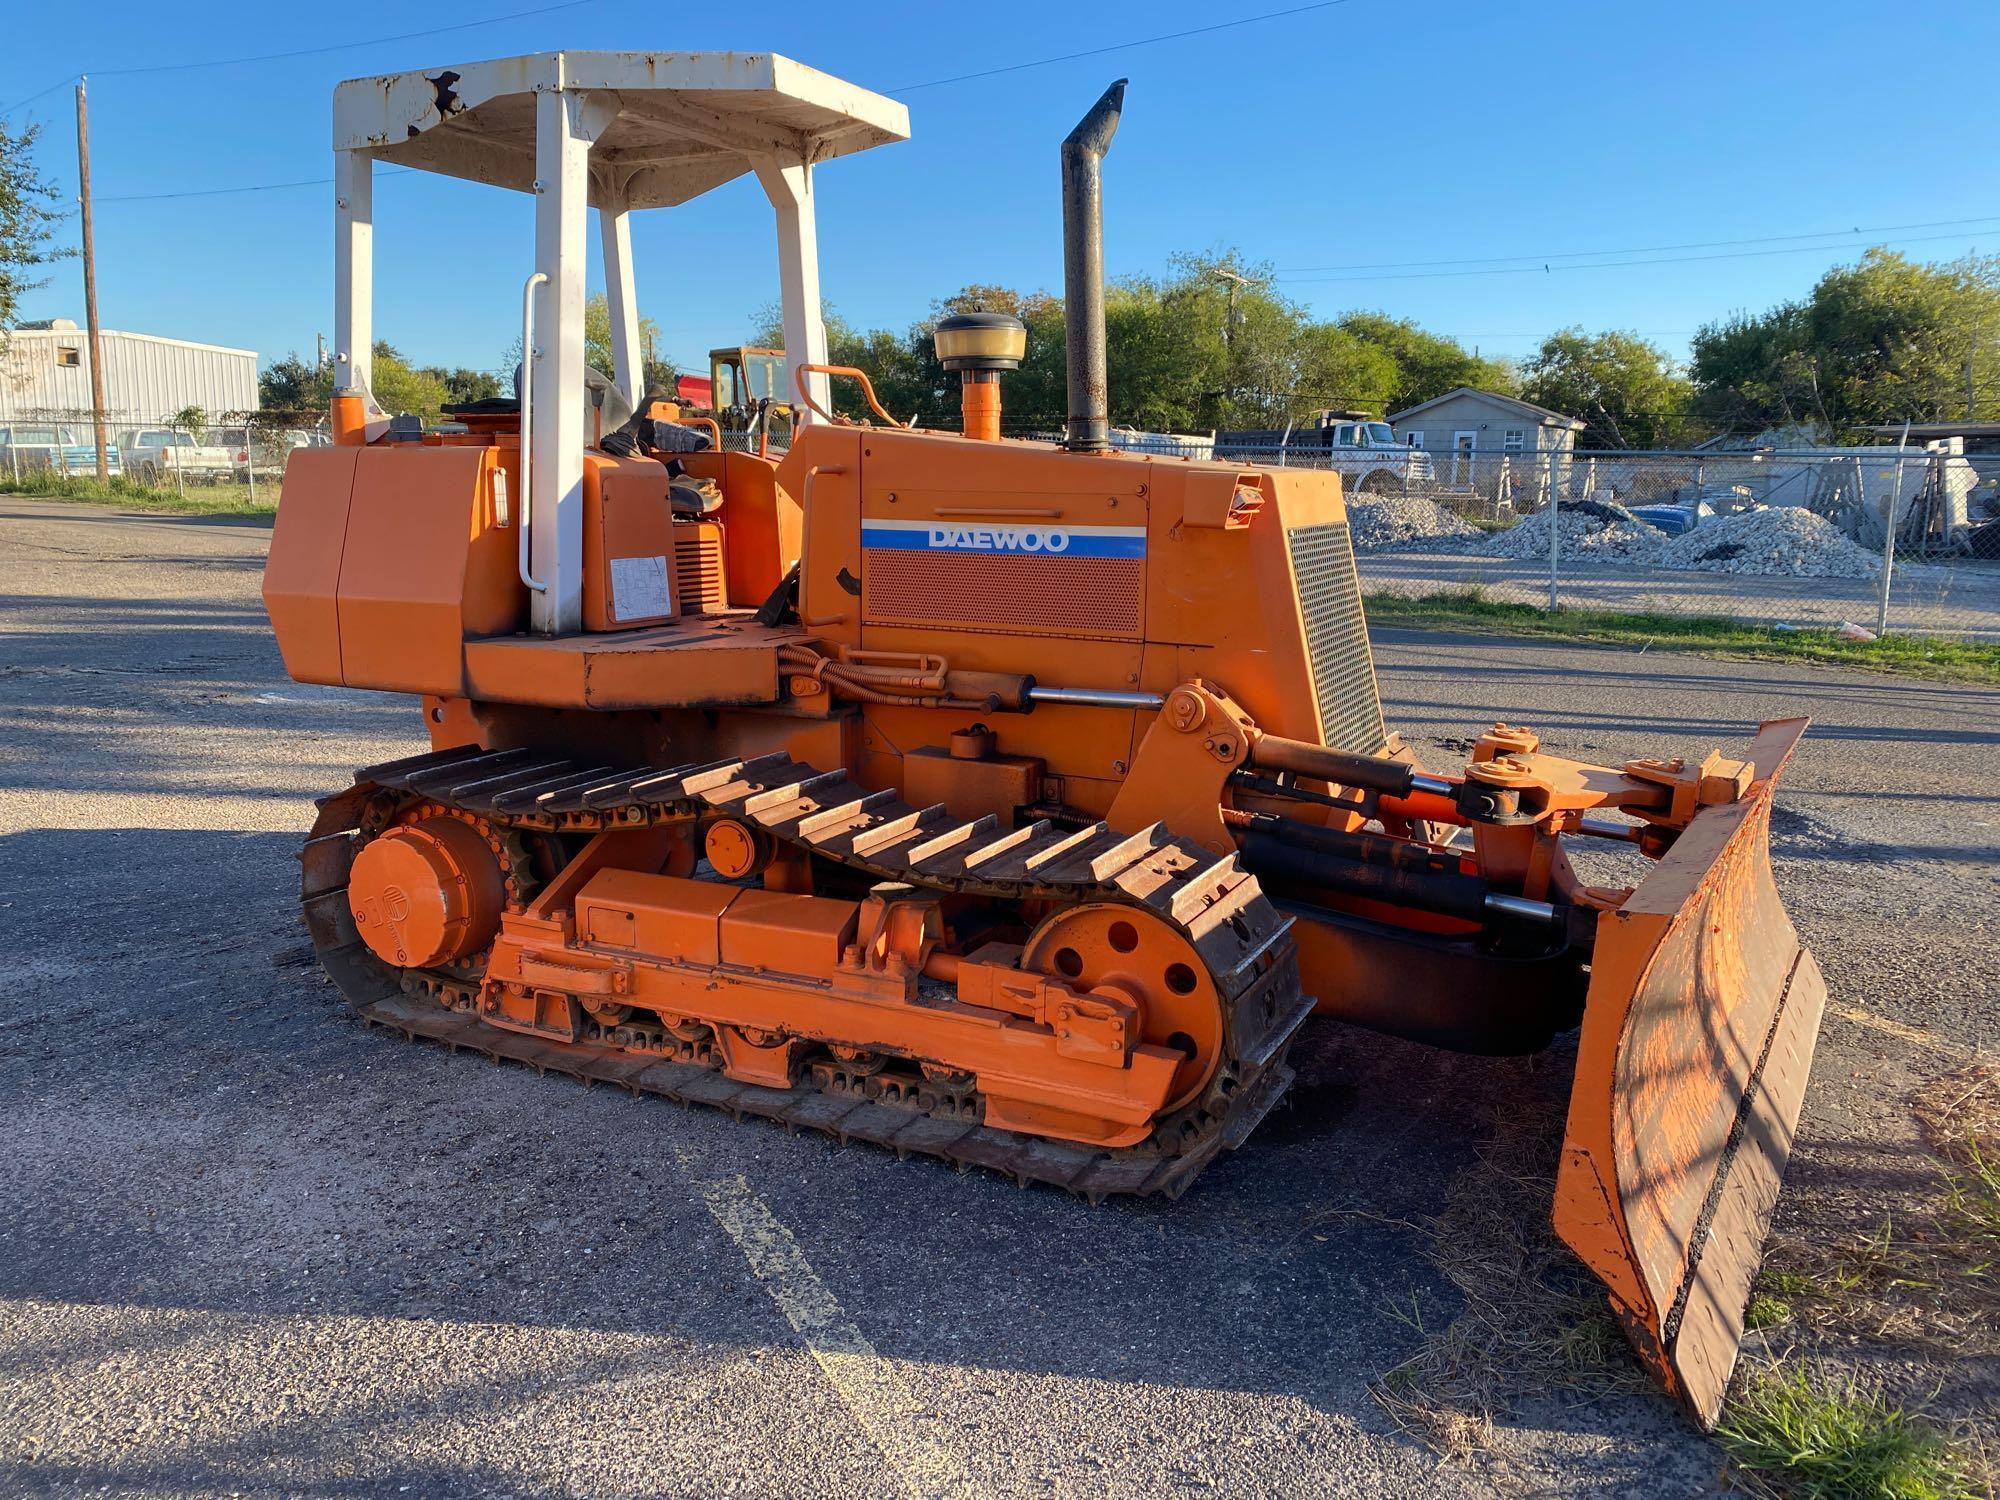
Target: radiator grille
(1350, 708)
(699, 583)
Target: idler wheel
(1129, 950)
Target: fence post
(180, 464)
(250, 461)
(1555, 536)
(1889, 536)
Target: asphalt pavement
(248, 1246)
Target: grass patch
(1791, 1435)
(1932, 1278)
(130, 494)
(1766, 1310)
(1470, 609)
(1534, 1322)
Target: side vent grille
(1343, 670)
(699, 582)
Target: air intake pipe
(1083, 272)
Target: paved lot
(246, 1246)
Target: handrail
(799, 373)
(714, 427)
(527, 426)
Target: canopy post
(789, 186)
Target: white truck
(1365, 452)
(156, 454)
(1368, 454)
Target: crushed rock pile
(1584, 528)
(1785, 541)
(1393, 522)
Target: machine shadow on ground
(233, 1141)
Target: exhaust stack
(1083, 272)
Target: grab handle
(800, 372)
(527, 424)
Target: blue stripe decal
(1032, 541)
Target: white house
(45, 373)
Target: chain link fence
(1903, 539)
(231, 460)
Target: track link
(1242, 938)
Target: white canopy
(684, 122)
(617, 132)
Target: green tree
(398, 388)
(1208, 345)
(1882, 341)
(292, 385)
(27, 221)
(463, 386)
(1427, 364)
(1625, 389)
(657, 369)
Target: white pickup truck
(154, 454)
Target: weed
(1533, 1321)
(1933, 1276)
(1766, 1311)
(1803, 1438)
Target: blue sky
(1377, 140)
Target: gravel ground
(248, 1247)
(1789, 542)
(1392, 522)
(1602, 532)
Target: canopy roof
(686, 122)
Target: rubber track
(1242, 938)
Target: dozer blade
(1697, 1038)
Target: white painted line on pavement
(869, 1385)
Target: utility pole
(1234, 279)
(90, 285)
(1971, 349)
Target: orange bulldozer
(1008, 802)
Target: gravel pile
(1394, 522)
(1786, 541)
(1584, 529)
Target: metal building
(45, 372)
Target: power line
(905, 89)
(257, 187)
(1144, 41)
(1768, 239)
(403, 36)
(1612, 265)
(59, 83)
(373, 41)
